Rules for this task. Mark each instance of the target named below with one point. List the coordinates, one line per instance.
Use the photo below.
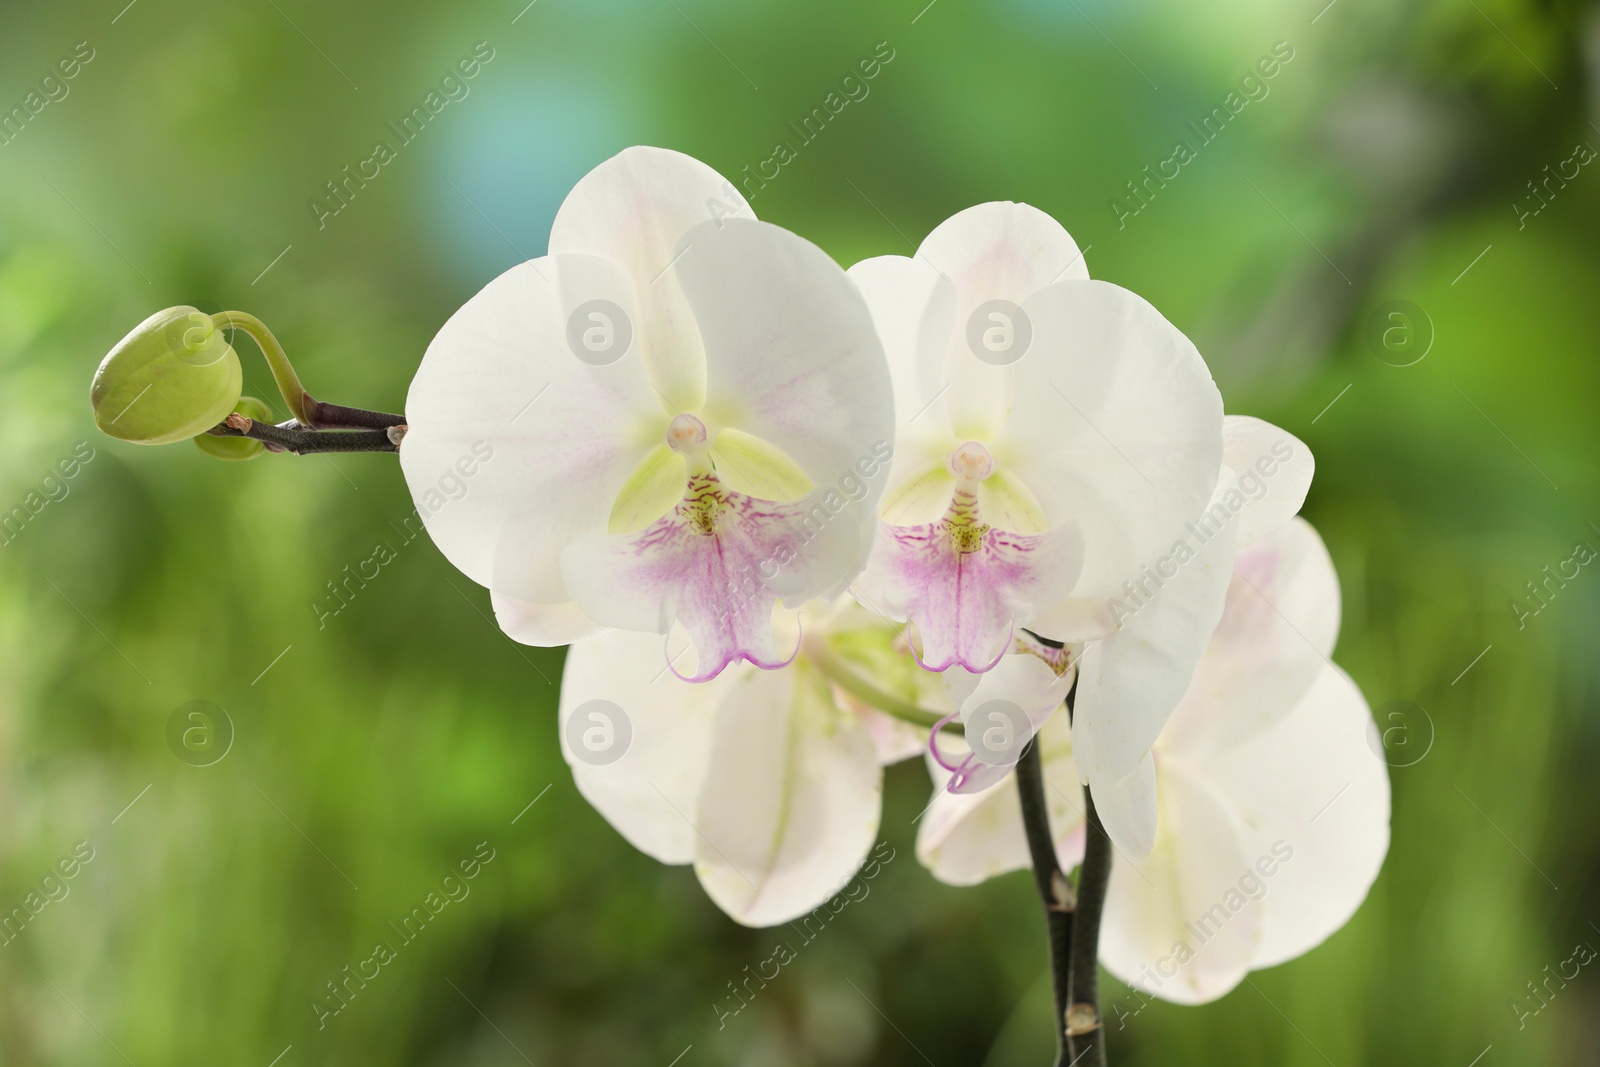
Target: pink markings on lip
(707, 564)
(965, 585)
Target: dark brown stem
(1055, 891)
(1086, 1029)
(321, 416)
(293, 437)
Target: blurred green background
(1390, 159)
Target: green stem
(294, 394)
(845, 677)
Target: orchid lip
(933, 742)
(738, 656)
(957, 660)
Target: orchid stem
(1055, 891)
(292, 437)
(294, 394)
(1087, 1034)
(309, 412)
(845, 677)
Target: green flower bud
(238, 447)
(173, 377)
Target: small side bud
(246, 411)
(172, 378)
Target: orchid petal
(1310, 786)
(1183, 924)
(792, 356)
(967, 591)
(754, 467)
(998, 251)
(1274, 470)
(791, 801)
(651, 491)
(503, 474)
(893, 739)
(633, 210)
(1128, 810)
(1002, 249)
(1278, 628)
(1004, 500)
(545, 625)
(913, 306)
(1130, 682)
(652, 793)
(1116, 425)
(922, 497)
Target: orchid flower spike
(680, 414)
(1054, 433)
(769, 782)
(1272, 795)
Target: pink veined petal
(716, 564)
(967, 591)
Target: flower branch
(1085, 1032)
(1055, 889)
(293, 437)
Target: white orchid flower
(1056, 436)
(1273, 805)
(680, 414)
(1053, 434)
(1130, 680)
(769, 782)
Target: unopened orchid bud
(173, 377)
(237, 448)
